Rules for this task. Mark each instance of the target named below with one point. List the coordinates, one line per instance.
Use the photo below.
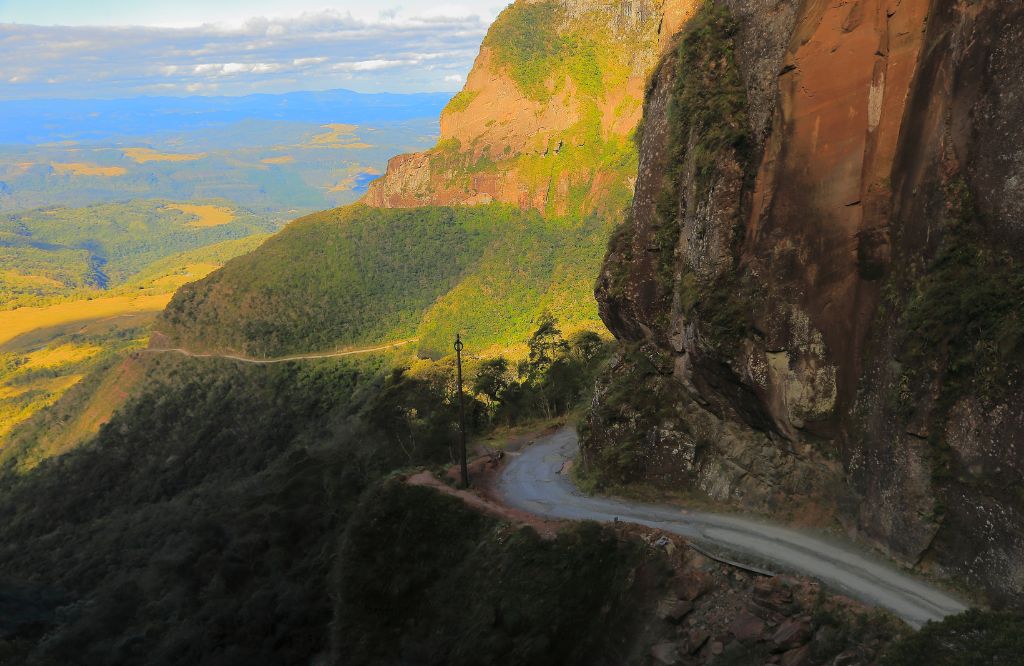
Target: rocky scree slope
(819, 279)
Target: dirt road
(534, 482)
(283, 359)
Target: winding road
(533, 481)
(279, 359)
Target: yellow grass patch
(190, 273)
(334, 136)
(143, 155)
(206, 215)
(114, 390)
(65, 354)
(7, 392)
(23, 279)
(24, 320)
(283, 159)
(86, 169)
(11, 413)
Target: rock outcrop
(820, 275)
(537, 125)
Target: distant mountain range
(36, 121)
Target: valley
(101, 225)
(739, 287)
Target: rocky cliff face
(820, 279)
(537, 125)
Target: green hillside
(361, 275)
(232, 486)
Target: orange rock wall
(823, 189)
(501, 123)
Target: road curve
(279, 359)
(533, 482)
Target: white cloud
(397, 51)
(370, 65)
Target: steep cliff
(545, 118)
(819, 276)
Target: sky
(126, 48)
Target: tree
(492, 378)
(545, 345)
(586, 346)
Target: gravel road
(533, 482)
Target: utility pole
(462, 413)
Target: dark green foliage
(708, 109)
(545, 345)
(492, 378)
(199, 526)
(556, 379)
(963, 328)
(974, 637)
(637, 395)
(723, 307)
(349, 275)
(423, 579)
(420, 411)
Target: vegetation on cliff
(707, 138)
(546, 117)
(543, 47)
(708, 127)
(635, 396)
(962, 327)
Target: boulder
(798, 657)
(747, 627)
(792, 633)
(772, 596)
(691, 585)
(665, 654)
(848, 658)
(695, 640)
(674, 610)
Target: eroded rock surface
(821, 267)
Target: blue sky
(120, 48)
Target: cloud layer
(314, 51)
